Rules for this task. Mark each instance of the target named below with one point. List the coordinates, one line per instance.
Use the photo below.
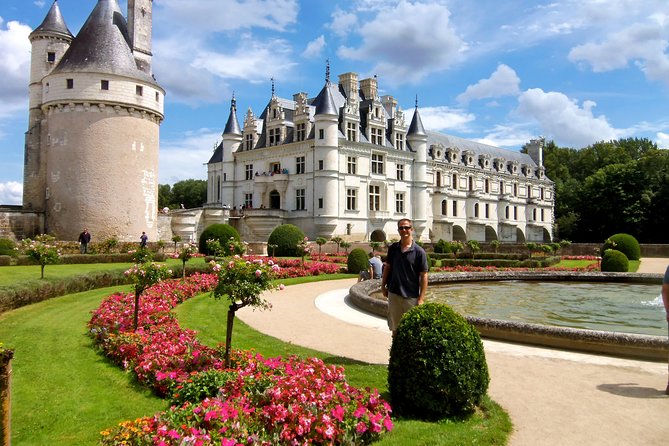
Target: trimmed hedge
(221, 232)
(624, 243)
(285, 237)
(358, 260)
(614, 261)
(500, 263)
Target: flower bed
(268, 401)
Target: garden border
(645, 347)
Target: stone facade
(350, 163)
(91, 156)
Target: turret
(417, 141)
(140, 29)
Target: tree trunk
(228, 334)
(136, 315)
(42, 271)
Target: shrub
(614, 261)
(7, 247)
(286, 238)
(442, 247)
(437, 364)
(358, 260)
(220, 232)
(624, 243)
(199, 386)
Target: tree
(145, 275)
(345, 245)
(474, 247)
(190, 193)
(42, 250)
(320, 241)
(337, 240)
(164, 195)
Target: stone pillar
(5, 396)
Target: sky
(502, 73)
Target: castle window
(542, 215)
(248, 143)
(438, 179)
(300, 199)
(351, 131)
(487, 210)
(51, 57)
(248, 200)
(275, 167)
(69, 83)
(274, 136)
(541, 193)
(455, 208)
(376, 136)
(320, 165)
(471, 183)
(529, 191)
(139, 90)
(444, 207)
(506, 212)
(377, 163)
(487, 185)
(157, 97)
(476, 210)
(400, 172)
(455, 181)
(249, 171)
(374, 198)
(399, 141)
(321, 134)
(399, 203)
(352, 165)
(515, 190)
(104, 84)
(320, 203)
(301, 133)
(501, 188)
(351, 199)
(534, 214)
(300, 165)
(515, 212)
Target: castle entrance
(274, 200)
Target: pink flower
(282, 287)
(258, 273)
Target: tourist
(143, 239)
(665, 299)
(404, 279)
(374, 269)
(84, 240)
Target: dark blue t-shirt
(406, 268)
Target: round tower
(232, 139)
(49, 42)
(103, 117)
(417, 139)
(326, 169)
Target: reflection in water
(619, 307)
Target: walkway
(553, 397)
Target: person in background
(374, 270)
(404, 279)
(665, 300)
(143, 239)
(84, 240)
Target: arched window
(444, 207)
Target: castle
(350, 163)
(91, 150)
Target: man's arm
(665, 298)
(423, 287)
(384, 278)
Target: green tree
(42, 250)
(320, 241)
(190, 193)
(145, 275)
(164, 196)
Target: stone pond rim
(635, 346)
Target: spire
(232, 126)
(54, 23)
(273, 87)
(325, 103)
(416, 127)
(327, 71)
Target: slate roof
(54, 23)
(232, 126)
(477, 148)
(103, 46)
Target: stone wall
(16, 224)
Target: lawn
(65, 393)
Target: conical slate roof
(324, 102)
(416, 127)
(232, 126)
(103, 45)
(54, 23)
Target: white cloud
(315, 47)
(184, 158)
(511, 136)
(444, 118)
(662, 140)
(644, 45)
(11, 192)
(563, 120)
(14, 66)
(343, 22)
(206, 16)
(503, 82)
(410, 41)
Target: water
(619, 307)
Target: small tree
(243, 283)
(547, 249)
(145, 275)
(338, 240)
(474, 247)
(455, 247)
(531, 247)
(160, 245)
(303, 248)
(564, 243)
(214, 247)
(42, 250)
(176, 239)
(186, 253)
(375, 246)
(272, 247)
(495, 245)
(320, 241)
(345, 245)
(110, 244)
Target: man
(374, 269)
(404, 279)
(143, 239)
(665, 299)
(84, 240)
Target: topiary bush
(624, 243)
(442, 247)
(220, 232)
(7, 247)
(286, 238)
(614, 261)
(437, 365)
(358, 260)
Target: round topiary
(614, 261)
(220, 232)
(442, 247)
(358, 260)
(624, 243)
(285, 238)
(437, 364)
(7, 247)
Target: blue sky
(576, 72)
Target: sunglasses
(404, 228)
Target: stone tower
(417, 138)
(97, 143)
